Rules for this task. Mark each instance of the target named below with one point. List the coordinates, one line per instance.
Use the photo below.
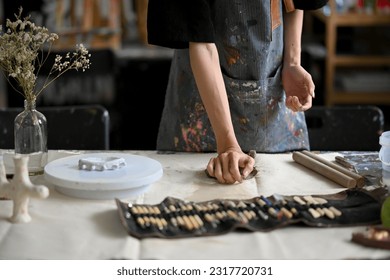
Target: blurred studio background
(346, 48)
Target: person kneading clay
(236, 82)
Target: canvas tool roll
(175, 218)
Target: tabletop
(66, 228)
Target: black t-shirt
(175, 23)
(309, 4)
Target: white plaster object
(101, 163)
(20, 189)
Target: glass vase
(30, 133)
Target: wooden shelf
(334, 60)
(361, 60)
(343, 97)
(353, 19)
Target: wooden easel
(141, 7)
(96, 24)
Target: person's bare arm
(208, 76)
(297, 82)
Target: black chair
(345, 128)
(81, 127)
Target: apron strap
(275, 13)
(289, 4)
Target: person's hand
(230, 166)
(299, 88)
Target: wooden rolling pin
(325, 170)
(360, 181)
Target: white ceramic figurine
(20, 189)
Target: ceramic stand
(20, 189)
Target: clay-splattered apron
(249, 38)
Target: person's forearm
(207, 72)
(292, 37)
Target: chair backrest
(345, 128)
(81, 127)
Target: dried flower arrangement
(25, 47)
